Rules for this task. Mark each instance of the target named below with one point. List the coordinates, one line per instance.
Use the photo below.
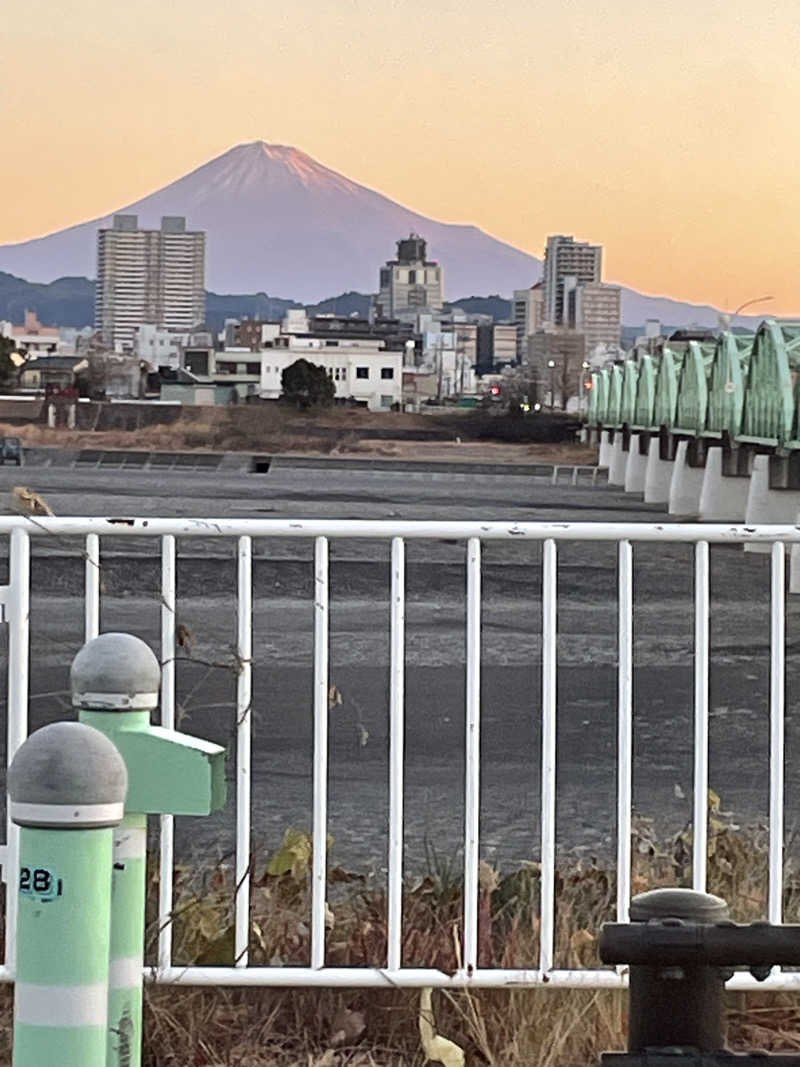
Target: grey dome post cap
(115, 672)
(685, 904)
(67, 775)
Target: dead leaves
(27, 502)
(347, 1029)
(295, 855)
(330, 1058)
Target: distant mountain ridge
(70, 302)
(278, 220)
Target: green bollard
(66, 789)
(115, 682)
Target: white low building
(449, 353)
(159, 346)
(361, 370)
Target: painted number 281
(39, 882)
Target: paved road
(435, 658)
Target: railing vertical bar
(167, 822)
(776, 719)
(701, 671)
(18, 615)
(549, 681)
(396, 753)
(320, 773)
(472, 807)
(244, 694)
(624, 728)
(92, 587)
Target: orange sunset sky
(667, 131)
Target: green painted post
(66, 789)
(115, 681)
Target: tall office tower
(148, 276)
(527, 314)
(411, 282)
(598, 315)
(568, 264)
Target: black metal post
(681, 949)
(676, 1006)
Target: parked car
(11, 450)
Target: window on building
(362, 372)
(386, 401)
(331, 344)
(387, 373)
(253, 368)
(412, 277)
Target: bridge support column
(686, 485)
(658, 475)
(618, 461)
(765, 505)
(604, 458)
(722, 499)
(636, 467)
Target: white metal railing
(15, 599)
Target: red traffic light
(495, 390)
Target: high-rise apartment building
(148, 277)
(598, 314)
(411, 282)
(527, 309)
(568, 264)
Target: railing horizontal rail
(716, 533)
(415, 977)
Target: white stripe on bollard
(65, 814)
(130, 843)
(58, 1005)
(125, 973)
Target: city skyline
(658, 133)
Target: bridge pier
(658, 474)
(765, 505)
(722, 498)
(686, 484)
(618, 461)
(604, 457)
(636, 467)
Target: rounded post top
(115, 672)
(67, 775)
(685, 904)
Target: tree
(305, 383)
(8, 370)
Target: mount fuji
(278, 222)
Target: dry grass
(273, 428)
(290, 1028)
(188, 1027)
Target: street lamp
(551, 363)
(584, 367)
(726, 319)
(748, 303)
